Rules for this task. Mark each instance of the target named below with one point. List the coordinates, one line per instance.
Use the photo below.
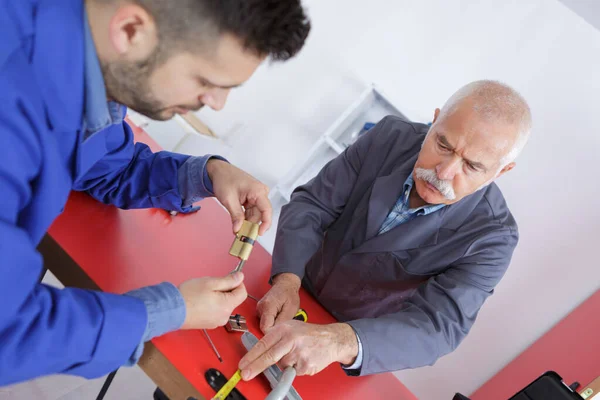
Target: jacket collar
(98, 113)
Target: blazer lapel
(419, 232)
(423, 230)
(386, 191)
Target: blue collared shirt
(98, 113)
(401, 212)
(164, 303)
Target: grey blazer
(412, 293)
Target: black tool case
(549, 386)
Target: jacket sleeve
(316, 205)
(132, 176)
(438, 316)
(45, 330)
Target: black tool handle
(217, 380)
(301, 315)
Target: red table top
(122, 250)
(570, 348)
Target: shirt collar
(423, 210)
(98, 112)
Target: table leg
(106, 385)
(158, 368)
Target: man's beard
(128, 83)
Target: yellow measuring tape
(228, 387)
(301, 315)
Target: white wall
(419, 52)
(587, 9)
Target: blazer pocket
(388, 286)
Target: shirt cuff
(166, 311)
(359, 358)
(193, 180)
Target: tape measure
(228, 387)
(222, 394)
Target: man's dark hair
(275, 28)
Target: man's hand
(209, 302)
(281, 303)
(307, 347)
(236, 189)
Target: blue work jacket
(44, 154)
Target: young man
(68, 69)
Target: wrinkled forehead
(487, 138)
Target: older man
(402, 238)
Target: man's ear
(132, 32)
(436, 114)
(506, 168)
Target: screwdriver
(212, 345)
(239, 266)
(241, 248)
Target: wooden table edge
(154, 363)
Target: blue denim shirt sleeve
(193, 179)
(359, 358)
(166, 312)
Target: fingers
(287, 312)
(290, 360)
(267, 311)
(263, 345)
(264, 206)
(228, 282)
(253, 215)
(232, 204)
(258, 207)
(267, 319)
(300, 359)
(237, 295)
(240, 189)
(265, 353)
(303, 367)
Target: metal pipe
(282, 389)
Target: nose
(447, 169)
(215, 98)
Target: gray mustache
(444, 187)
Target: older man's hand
(235, 189)
(307, 347)
(281, 302)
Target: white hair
(496, 101)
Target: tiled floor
(129, 383)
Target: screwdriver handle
(301, 315)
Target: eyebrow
(447, 144)
(206, 82)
